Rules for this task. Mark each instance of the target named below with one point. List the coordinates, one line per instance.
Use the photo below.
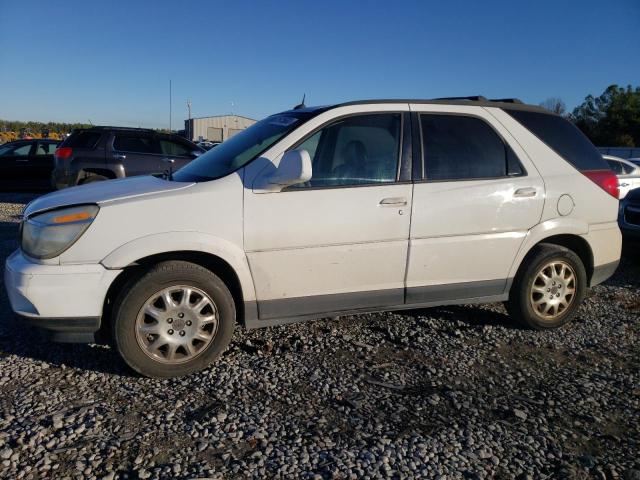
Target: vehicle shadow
(21, 340)
(471, 315)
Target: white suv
(371, 205)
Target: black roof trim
(506, 103)
(476, 98)
(507, 100)
(108, 127)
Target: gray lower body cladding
(290, 310)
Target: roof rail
(476, 98)
(111, 127)
(507, 100)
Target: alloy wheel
(176, 324)
(553, 289)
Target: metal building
(215, 129)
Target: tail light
(63, 152)
(605, 179)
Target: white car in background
(316, 212)
(627, 171)
(207, 145)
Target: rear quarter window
(82, 140)
(563, 137)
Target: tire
(528, 298)
(160, 339)
(92, 178)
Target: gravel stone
(449, 392)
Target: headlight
(48, 234)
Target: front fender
(167, 242)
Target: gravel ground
(454, 392)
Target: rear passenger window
(464, 148)
(133, 143)
(170, 147)
(82, 140)
(627, 169)
(616, 167)
(563, 137)
(46, 148)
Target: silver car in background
(627, 171)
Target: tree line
(609, 120)
(13, 130)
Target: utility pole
(189, 122)
(169, 105)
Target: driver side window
(356, 150)
(21, 150)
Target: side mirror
(196, 153)
(294, 168)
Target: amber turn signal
(72, 217)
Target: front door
(478, 196)
(339, 241)
(14, 161)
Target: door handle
(22, 159)
(624, 184)
(525, 192)
(119, 156)
(393, 202)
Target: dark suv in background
(102, 153)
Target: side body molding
(159, 243)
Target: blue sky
(111, 62)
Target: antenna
(301, 104)
(189, 121)
(169, 105)
(90, 122)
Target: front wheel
(549, 289)
(175, 319)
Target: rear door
(41, 162)
(181, 152)
(138, 152)
(476, 195)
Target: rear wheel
(549, 289)
(92, 178)
(173, 320)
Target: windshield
(236, 152)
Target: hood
(104, 192)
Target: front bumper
(65, 300)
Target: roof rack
(111, 127)
(480, 98)
(507, 100)
(476, 98)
